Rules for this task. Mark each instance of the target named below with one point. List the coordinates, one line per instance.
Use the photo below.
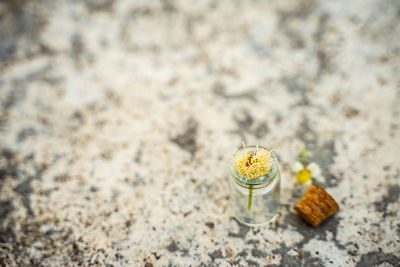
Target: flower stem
(250, 197)
(304, 156)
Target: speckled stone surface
(118, 119)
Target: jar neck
(258, 182)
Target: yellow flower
(305, 172)
(253, 165)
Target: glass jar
(255, 201)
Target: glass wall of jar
(255, 201)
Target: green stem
(304, 156)
(250, 197)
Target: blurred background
(118, 120)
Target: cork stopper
(316, 205)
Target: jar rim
(260, 181)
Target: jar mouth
(257, 182)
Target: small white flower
(305, 172)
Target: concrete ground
(118, 120)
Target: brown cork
(316, 205)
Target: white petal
(309, 182)
(314, 169)
(296, 166)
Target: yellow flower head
(303, 176)
(253, 165)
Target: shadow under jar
(255, 201)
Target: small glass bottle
(255, 201)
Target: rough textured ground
(118, 119)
